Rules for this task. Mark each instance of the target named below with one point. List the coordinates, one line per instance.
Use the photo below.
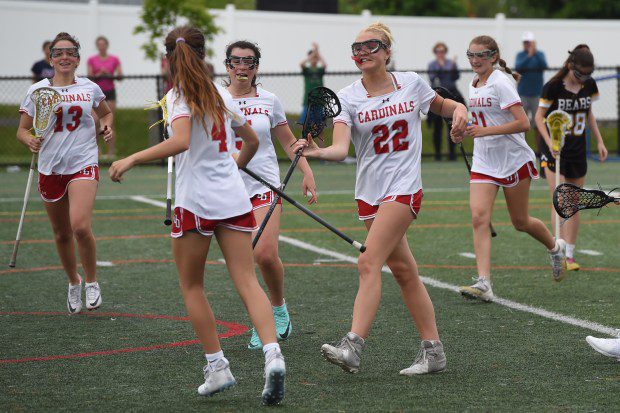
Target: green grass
(498, 359)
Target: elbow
(525, 125)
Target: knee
(266, 256)
(82, 232)
(62, 237)
(520, 223)
(479, 218)
(402, 271)
(368, 267)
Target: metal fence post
(618, 107)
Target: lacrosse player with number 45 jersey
(381, 116)
(68, 170)
(503, 159)
(264, 112)
(572, 90)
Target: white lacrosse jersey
(498, 156)
(70, 142)
(208, 182)
(387, 134)
(263, 112)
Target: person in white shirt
(68, 170)
(211, 200)
(502, 158)
(264, 112)
(381, 116)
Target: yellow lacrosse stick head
(45, 100)
(558, 122)
(157, 105)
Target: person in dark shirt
(42, 69)
(572, 90)
(443, 72)
(313, 68)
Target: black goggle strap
(250, 61)
(372, 46)
(71, 51)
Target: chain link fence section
(134, 93)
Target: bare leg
(237, 249)
(58, 213)
(267, 256)
(481, 199)
(82, 195)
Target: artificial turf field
(138, 351)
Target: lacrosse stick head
(322, 104)
(160, 104)
(45, 101)
(568, 199)
(559, 122)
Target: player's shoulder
(265, 94)
(500, 77)
(85, 82)
(404, 79)
(352, 92)
(41, 83)
(590, 85)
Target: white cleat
(217, 378)
(558, 261)
(430, 359)
(74, 298)
(93, 295)
(609, 347)
(275, 372)
(481, 289)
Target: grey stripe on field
(588, 325)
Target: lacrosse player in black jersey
(572, 90)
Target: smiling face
(481, 58)
(65, 57)
(367, 56)
(241, 66)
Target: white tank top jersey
(70, 142)
(263, 112)
(387, 134)
(498, 156)
(208, 182)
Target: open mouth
(241, 76)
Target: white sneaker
(74, 298)
(607, 346)
(93, 295)
(558, 260)
(275, 372)
(430, 359)
(217, 378)
(480, 289)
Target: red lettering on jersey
(480, 102)
(386, 111)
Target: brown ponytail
(491, 44)
(185, 49)
(580, 56)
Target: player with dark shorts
(572, 90)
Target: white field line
(467, 254)
(588, 325)
(590, 252)
(99, 197)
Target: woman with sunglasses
(381, 116)
(68, 170)
(210, 200)
(264, 112)
(572, 90)
(502, 158)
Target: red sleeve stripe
(340, 121)
(284, 122)
(518, 102)
(180, 116)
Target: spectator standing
(313, 68)
(42, 69)
(102, 69)
(531, 63)
(443, 72)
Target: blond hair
(385, 35)
(491, 44)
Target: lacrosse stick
(558, 122)
(322, 104)
(162, 104)
(446, 94)
(45, 100)
(568, 199)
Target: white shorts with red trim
(263, 200)
(366, 211)
(184, 220)
(53, 187)
(528, 170)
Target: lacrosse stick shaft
(359, 246)
(18, 237)
(274, 204)
(557, 183)
(168, 220)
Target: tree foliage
(160, 16)
(444, 8)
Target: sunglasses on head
(369, 46)
(485, 54)
(233, 61)
(581, 75)
(70, 51)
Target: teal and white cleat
(255, 342)
(284, 328)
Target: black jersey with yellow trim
(555, 96)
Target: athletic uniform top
(498, 156)
(70, 143)
(208, 182)
(577, 105)
(387, 134)
(263, 112)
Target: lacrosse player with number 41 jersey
(502, 158)
(68, 170)
(381, 116)
(572, 90)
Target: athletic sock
(555, 249)
(570, 250)
(213, 358)
(271, 346)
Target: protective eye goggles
(70, 51)
(369, 46)
(485, 54)
(233, 61)
(582, 76)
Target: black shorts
(570, 168)
(110, 95)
